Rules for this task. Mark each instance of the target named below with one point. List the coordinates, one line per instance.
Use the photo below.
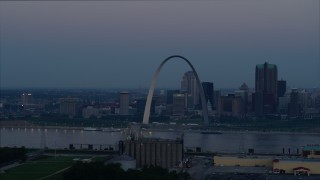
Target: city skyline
(87, 90)
(119, 45)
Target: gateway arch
(154, 82)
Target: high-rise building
(282, 88)
(243, 92)
(303, 100)
(170, 95)
(26, 99)
(224, 107)
(124, 103)
(243, 95)
(178, 107)
(190, 86)
(68, 106)
(238, 106)
(216, 96)
(208, 92)
(230, 105)
(266, 86)
(283, 104)
(294, 107)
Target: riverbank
(216, 132)
(24, 124)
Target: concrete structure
(68, 106)
(124, 103)
(153, 84)
(266, 79)
(157, 152)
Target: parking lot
(201, 167)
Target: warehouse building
(297, 166)
(283, 165)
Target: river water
(231, 142)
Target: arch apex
(146, 115)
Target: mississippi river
(229, 142)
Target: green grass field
(38, 169)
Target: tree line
(12, 154)
(100, 171)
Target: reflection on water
(225, 142)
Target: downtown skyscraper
(266, 83)
(124, 103)
(208, 92)
(190, 87)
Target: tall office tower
(178, 106)
(189, 85)
(230, 105)
(282, 88)
(224, 106)
(68, 106)
(170, 95)
(216, 96)
(266, 96)
(243, 92)
(124, 103)
(303, 100)
(294, 107)
(26, 99)
(208, 92)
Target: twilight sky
(108, 44)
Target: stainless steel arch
(154, 82)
